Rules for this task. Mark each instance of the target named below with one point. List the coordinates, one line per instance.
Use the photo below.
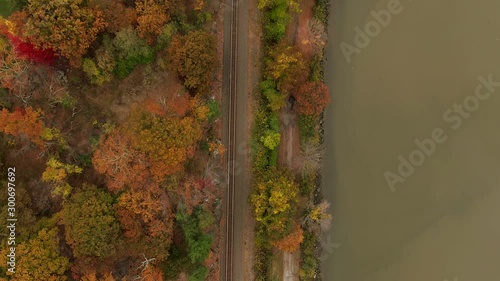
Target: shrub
(306, 185)
(198, 242)
(320, 10)
(271, 139)
(262, 254)
(214, 111)
(308, 262)
(316, 69)
(199, 274)
(276, 18)
(273, 199)
(273, 158)
(307, 127)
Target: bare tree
(308, 161)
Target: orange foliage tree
(151, 18)
(115, 13)
(91, 276)
(24, 123)
(67, 27)
(121, 164)
(312, 98)
(146, 218)
(167, 141)
(291, 242)
(194, 57)
(152, 208)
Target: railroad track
(228, 269)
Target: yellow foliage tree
(274, 197)
(57, 172)
(39, 259)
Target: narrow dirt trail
(288, 147)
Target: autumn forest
(110, 124)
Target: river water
(437, 218)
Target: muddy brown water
(414, 82)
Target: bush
(202, 18)
(307, 127)
(273, 158)
(265, 121)
(276, 19)
(320, 10)
(214, 111)
(261, 158)
(271, 139)
(316, 69)
(308, 262)
(306, 185)
(198, 242)
(199, 274)
(262, 254)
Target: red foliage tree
(23, 49)
(28, 51)
(311, 98)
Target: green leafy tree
(131, 51)
(275, 99)
(198, 242)
(89, 218)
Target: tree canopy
(66, 26)
(40, 259)
(274, 197)
(89, 218)
(194, 57)
(312, 98)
